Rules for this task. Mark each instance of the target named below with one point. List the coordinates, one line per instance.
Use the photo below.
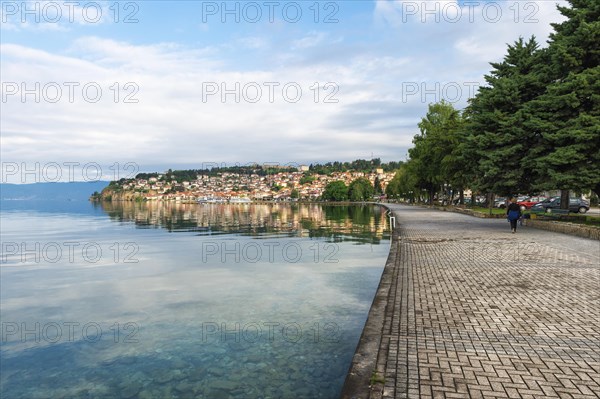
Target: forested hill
(359, 165)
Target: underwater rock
(130, 390)
(222, 385)
(146, 394)
(184, 387)
(217, 394)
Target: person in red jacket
(513, 213)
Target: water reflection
(197, 314)
(366, 223)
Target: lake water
(184, 300)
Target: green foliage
(534, 126)
(433, 156)
(359, 165)
(307, 179)
(403, 184)
(499, 135)
(335, 191)
(146, 176)
(569, 110)
(377, 186)
(360, 189)
(117, 184)
(376, 379)
(192, 174)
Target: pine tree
(499, 138)
(568, 113)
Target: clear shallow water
(185, 301)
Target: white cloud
(173, 121)
(311, 40)
(478, 30)
(382, 90)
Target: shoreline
(364, 369)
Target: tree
(377, 186)
(295, 193)
(568, 113)
(499, 135)
(360, 189)
(335, 191)
(307, 179)
(403, 184)
(435, 143)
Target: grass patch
(495, 211)
(376, 379)
(579, 218)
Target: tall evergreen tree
(377, 186)
(498, 136)
(567, 115)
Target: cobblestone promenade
(470, 310)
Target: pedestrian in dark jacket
(513, 213)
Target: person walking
(513, 213)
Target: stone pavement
(465, 309)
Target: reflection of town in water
(365, 222)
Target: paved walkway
(470, 310)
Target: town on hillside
(246, 184)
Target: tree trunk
(431, 194)
(564, 199)
(461, 196)
(490, 201)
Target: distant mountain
(72, 191)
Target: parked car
(500, 203)
(467, 201)
(531, 201)
(576, 205)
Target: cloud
(253, 96)
(174, 117)
(311, 40)
(478, 30)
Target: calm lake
(183, 300)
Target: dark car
(575, 205)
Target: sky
(100, 89)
